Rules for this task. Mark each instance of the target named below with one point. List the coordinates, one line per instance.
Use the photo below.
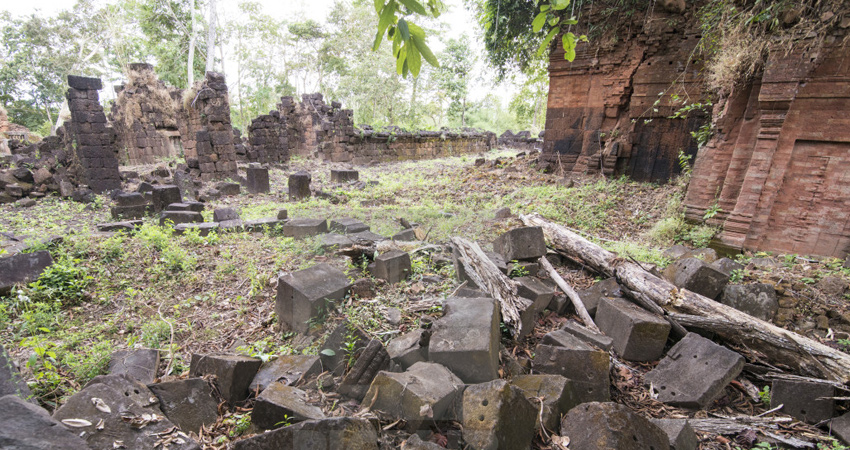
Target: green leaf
(415, 30)
(548, 39)
(405, 32)
(560, 4)
(554, 21)
(543, 8)
(379, 4)
(327, 352)
(414, 6)
(569, 42)
(538, 22)
(401, 59)
(571, 21)
(414, 59)
(425, 51)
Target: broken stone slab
(594, 426)
(332, 242)
(840, 427)
(24, 426)
(333, 352)
(234, 373)
(186, 206)
(178, 217)
(308, 293)
(502, 213)
(586, 335)
(301, 228)
(140, 364)
(347, 226)
(592, 296)
(286, 369)
(726, 266)
(266, 225)
(694, 372)
(11, 382)
(373, 359)
(758, 300)
(337, 433)
(128, 212)
(535, 290)
(497, 415)
(228, 188)
(421, 395)
(675, 252)
(299, 186)
(560, 353)
(189, 403)
(203, 228)
(223, 214)
(282, 214)
(466, 292)
(233, 226)
(126, 226)
(122, 402)
(414, 442)
(405, 235)
(257, 180)
(696, 276)
(466, 339)
(366, 238)
(409, 348)
(281, 403)
(22, 268)
(393, 266)
(521, 243)
(164, 195)
(709, 255)
(807, 401)
(679, 433)
(557, 394)
(638, 334)
(344, 176)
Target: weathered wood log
(488, 277)
(806, 356)
(768, 427)
(571, 294)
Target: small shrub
(666, 230)
(92, 363)
(64, 281)
(112, 249)
(177, 259)
(155, 236)
(155, 333)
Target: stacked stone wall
(208, 138)
(269, 139)
(520, 141)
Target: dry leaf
(118, 444)
(101, 405)
(426, 411)
(101, 425)
(561, 442)
(77, 423)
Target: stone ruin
(522, 140)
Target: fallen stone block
(189, 403)
(840, 427)
(560, 353)
(466, 339)
(696, 276)
(11, 382)
(24, 426)
(231, 226)
(535, 290)
(337, 433)
(409, 348)
(162, 196)
(203, 228)
(186, 206)
(234, 373)
(414, 442)
(638, 334)
(126, 226)
(257, 180)
(22, 268)
(344, 176)
(333, 242)
(523, 268)
(140, 364)
(419, 396)
(301, 228)
(286, 369)
(299, 186)
(521, 243)
(502, 213)
(282, 214)
(803, 399)
(308, 293)
(586, 335)
(178, 217)
(223, 214)
(228, 188)
(280, 403)
(333, 352)
(128, 212)
(726, 266)
(122, 403)
(266, 225)
(347, 226)
(758, 300)
(594, 426)
(497, 415)
(557, 394)
(679, 433)
(393, 266)
(592, 296)
(466, 292)
(366, 238)
(694, 372)
(373, 359)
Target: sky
(458, 20)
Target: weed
(764, 396)
(517, 270)
(155, 333)
(44, 367)
(92, 363)
(64, 281)
(155, 236)
(239, 422)
(833, 444)
(736, 276)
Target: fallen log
(804, 355)
(571, 294)
(488, 277)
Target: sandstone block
(286, 369)
(801, 399)
(308, 293)
(560, 353)
(599, 340)
(26, 426)
(11, 382)
(466, 339)
(373, 359)
(409, 348)
(279, 403)
(22, 268)
(223, 214)
(497, 416)
(234, 373)
(344, 176)
(696, 276)
(299, 186)
(257, 180)
(337, 433)
(593, 426)
(638, 334)
(178, 217)
(758, 300)
(164, 195)
(679, 432)
(188, 403)
(393, 266)
(557, 393)
(347, 226)
(140, 364)
(592, 296)
(521, 243)
(301, 228)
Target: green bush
(92, 363)
(65, 281)
(155, 333)
(155, 236)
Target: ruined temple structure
(522, 140)
(779, 165)
(608, 109)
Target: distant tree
(454, 76)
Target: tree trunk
(780, 346)
(488, 277)
(190, 72)
(211, 38)
(571, 294)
